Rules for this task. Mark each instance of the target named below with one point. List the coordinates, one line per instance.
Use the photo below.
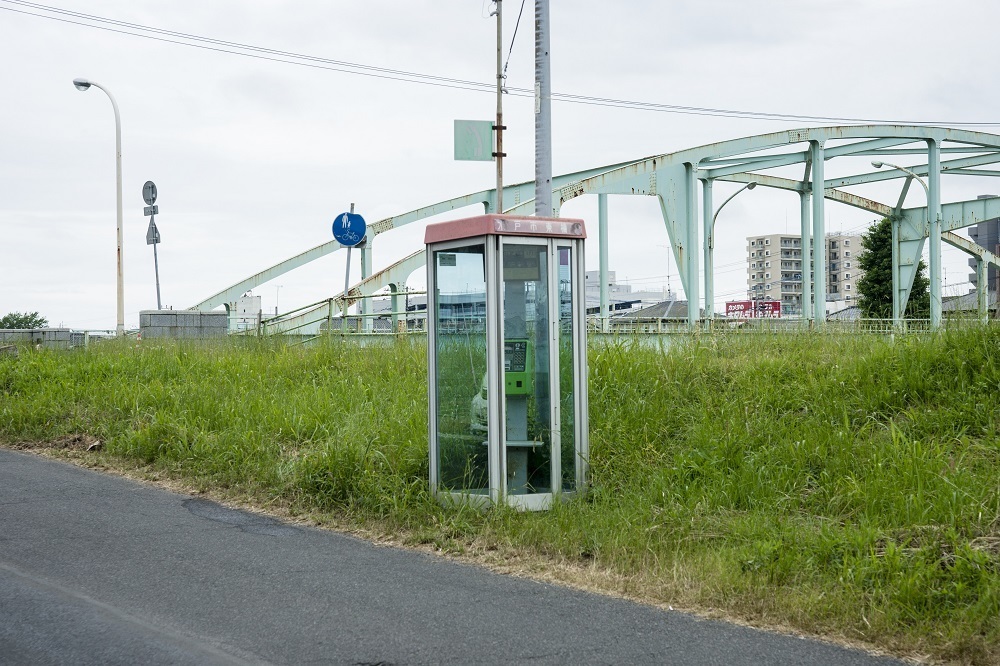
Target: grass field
(845, 486)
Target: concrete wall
(61, 338)
(186, 324)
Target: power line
(259, 53)
(513, 37)
(361, 69)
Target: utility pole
(543, 116)
(499, 126)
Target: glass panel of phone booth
(567, 392)
(527, 390)
(460, 347)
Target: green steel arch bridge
(682, 183)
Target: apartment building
(986, 234)
(774, 270)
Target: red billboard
(753, 309)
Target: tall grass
(841, 485)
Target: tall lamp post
(935, 286)
(84, 84)
(709, 256)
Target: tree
(875, 286)
(23, 320)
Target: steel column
(898, 289)
(394, 304)
(602, 240)
(819, 233)
(691, 236)
(805, 220)
(982, 290)
(934, 217)
(707, 214)
(366, 272)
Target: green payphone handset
(518, 362)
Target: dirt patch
(71, 442)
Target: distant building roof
(969, 301)
(670, 309)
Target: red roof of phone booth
(506, 225)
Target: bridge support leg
(364, 307)
(982, 290)
(897, 278)
(602, 242)
(805, 222)
(819, 234)
(691, 241)
(708, 234)
(394, 304)
(934, 217)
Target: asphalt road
(95, 569)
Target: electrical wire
(361, 69)
(513, 37)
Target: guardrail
(654, 326)
(409, 322)
(307, 316)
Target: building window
(847, 298)
(767, 241)
(767, 264)
(767, 253)
(847, 254)
(752, 243)
(833, 244)
(847, 287)
(767, 276)
(767, 287)
(847, 264)
(847, 243)
(753, 276)
(847, 276)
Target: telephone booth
(507, 359)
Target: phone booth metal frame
(507, 360)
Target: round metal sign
(149, 193)
(349, 229)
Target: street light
(935, 288)
(879, 165)
(84, 85)
(749, 186)
(710, 262)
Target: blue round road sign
(349, 229)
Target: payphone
(507, 359)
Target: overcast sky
(254, 158)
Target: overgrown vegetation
(846, 486)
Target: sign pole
(349, 230)
(347, 284)
(152, 233)
(156, 269)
